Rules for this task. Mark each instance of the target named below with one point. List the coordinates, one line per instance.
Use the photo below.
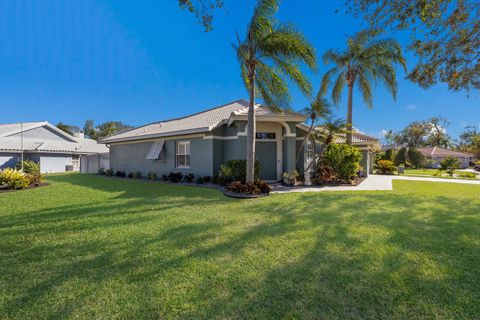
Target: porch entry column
(289, 152)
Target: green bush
(101, 171)
(238, 170)
(401, 157)
(29, 166)
(469, 175)
(449, 165)
(385, 167)
(109, 173)
(255, 188)
(14, 179)
(152, 176)
(343, 159)
(416, 158)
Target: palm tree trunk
(350, 115)
(251, 132)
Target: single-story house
(202, 142)
(54, 149)
(436, 154)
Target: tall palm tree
(271, 53)
(366, 60)
(319, 109)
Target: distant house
(437, 154)
(201, 142)
(54, 149)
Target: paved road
(374, 182)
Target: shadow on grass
(341, 255)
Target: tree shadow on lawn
(375, 265)
(368, 255)
(126, 188)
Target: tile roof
(199, 122)
(441, 152)
(357, 138)
(14, 144)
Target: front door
(266, 153)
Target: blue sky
(147, 60)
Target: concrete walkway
(372, 183)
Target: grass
(94, 247)
(431, 172)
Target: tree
(437, 136)
(445, 36)
(270, 53)
(415, 158)
(366, 60)
(449, 165)
(318, 109)
(202, 9)
(104, 130)
(65, 128)
(330, 129)
(414, 135)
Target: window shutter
(155, 150)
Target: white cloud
(411, 106)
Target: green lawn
(431, 172)
(95, 247)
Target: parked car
(477, 167)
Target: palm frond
(338, 86)
(272, 87)
(365, 88)
(326, 81)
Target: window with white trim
(182, 154)
(265, 135)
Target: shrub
(175, 177)
(449, 164)
(477, 163)
(130, 175)
(343, 159)
(325, 174)
(200, 180)
(469, 175)
(207, 179)
(120, 174)
(437, 173)
(189, 177)
(29, 167)
(224, 175)
(389, 155)
(137, 175)
(263, 186)
(385, 167)
(235, 170)
(152, 176)
(215, 180)
(401, 157)
(34, 178)
(416, 158)
(165, 177)
(109, 173)
(101, 171)
(14, 179)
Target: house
(436, 154)
(202, 142)
(54, 149)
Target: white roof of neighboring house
(199, 122)
(441, 152)
(11, 143)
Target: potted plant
(290, 178)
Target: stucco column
(289, 150)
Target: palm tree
(365, 60)
(330, 129)
(318, 109)
(271, 53)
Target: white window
(183, 154)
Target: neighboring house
(54, 149)
(436, 154)
(202, 142)
(368, 146)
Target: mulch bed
(4, 189)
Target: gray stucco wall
(131, 157)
